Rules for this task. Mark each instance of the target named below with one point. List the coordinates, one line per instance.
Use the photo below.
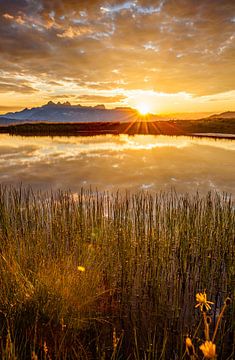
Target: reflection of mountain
(65, 112)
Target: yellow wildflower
(188, 342)
(45, 348)
(115, 339)
(208, 349)
(189, 346)
(34, 356)
(203, 303)
(81, 268)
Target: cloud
(190, 44)
(8, 17)
(62, 96)
(101, 99)
(72, 32)
(17, 19)
(21, 88)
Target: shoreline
(214, 135)
(196, 128)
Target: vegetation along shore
(171, 127)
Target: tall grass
(145, 257)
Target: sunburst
(143, 108)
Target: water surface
(109, 162)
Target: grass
(112, 276)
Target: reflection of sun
(143, 108)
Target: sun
(143, 108)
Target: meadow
(93, 275)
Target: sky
(166, 56)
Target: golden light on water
(111, 162)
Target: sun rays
(143, 108)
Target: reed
(108, 275)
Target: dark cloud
(166, 45)
(21, 88)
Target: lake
(109, 162)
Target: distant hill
(224, 115)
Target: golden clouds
(17, 19)
(94, 99)
(163, 46)
(71, 32)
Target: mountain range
(67, 113)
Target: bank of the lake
(171, 127)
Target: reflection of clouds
(216, 143)
(146, 186)
(15, 151)
(139, 162)
(18, 155)
(72, 146)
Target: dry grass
(79, 271)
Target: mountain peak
(50, 103)
(100, 107)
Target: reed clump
(99, 275)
